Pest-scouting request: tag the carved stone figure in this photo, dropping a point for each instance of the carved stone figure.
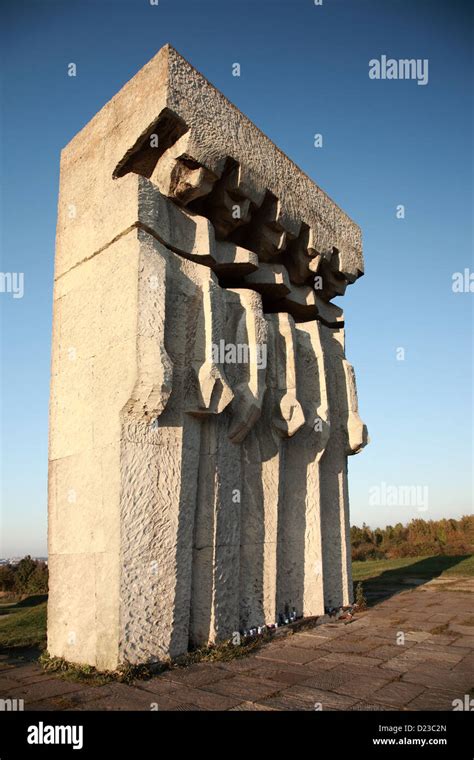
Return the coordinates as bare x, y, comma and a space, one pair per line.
202, 408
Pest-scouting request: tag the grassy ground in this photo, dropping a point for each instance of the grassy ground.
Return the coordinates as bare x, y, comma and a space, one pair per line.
23, 624
424, 568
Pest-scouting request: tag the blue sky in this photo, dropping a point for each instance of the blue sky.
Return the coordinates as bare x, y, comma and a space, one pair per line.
304, 70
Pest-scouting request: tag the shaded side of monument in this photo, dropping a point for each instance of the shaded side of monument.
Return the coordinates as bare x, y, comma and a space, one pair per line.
202, 408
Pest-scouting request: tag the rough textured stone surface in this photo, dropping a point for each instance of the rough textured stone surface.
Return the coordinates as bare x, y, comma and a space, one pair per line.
202, 408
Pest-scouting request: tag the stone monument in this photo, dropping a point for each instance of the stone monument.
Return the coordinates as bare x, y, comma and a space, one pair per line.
202, 409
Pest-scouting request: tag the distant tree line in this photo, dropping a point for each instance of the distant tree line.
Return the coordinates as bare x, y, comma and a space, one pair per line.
29, 576
418, 538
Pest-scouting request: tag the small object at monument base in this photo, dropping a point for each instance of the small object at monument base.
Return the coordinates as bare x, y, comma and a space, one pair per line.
323, 619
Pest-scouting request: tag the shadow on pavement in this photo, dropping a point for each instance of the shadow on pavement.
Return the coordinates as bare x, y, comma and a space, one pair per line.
391, 582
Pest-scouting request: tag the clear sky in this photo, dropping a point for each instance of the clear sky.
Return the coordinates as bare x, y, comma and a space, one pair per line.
304, 70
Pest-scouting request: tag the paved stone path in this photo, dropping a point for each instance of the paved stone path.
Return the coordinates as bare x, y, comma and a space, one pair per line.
334, 666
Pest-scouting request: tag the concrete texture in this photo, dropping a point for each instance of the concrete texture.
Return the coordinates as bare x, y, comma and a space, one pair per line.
202, 408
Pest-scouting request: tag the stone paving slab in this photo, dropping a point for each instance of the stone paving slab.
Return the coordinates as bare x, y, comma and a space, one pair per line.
49, 687
85, 699
436, 678
291, 654
247, 688
253, 707
200, 698
464, 641
308, 699
282, 673
197, 675
335, 666
397, 693
434, 699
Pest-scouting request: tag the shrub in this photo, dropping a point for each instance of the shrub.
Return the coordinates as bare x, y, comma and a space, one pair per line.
420, 537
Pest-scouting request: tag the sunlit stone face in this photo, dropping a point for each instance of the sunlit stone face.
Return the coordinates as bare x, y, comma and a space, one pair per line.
210, 408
